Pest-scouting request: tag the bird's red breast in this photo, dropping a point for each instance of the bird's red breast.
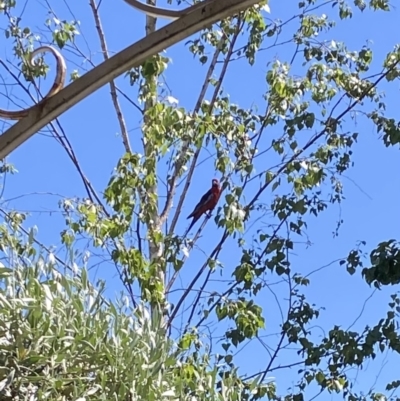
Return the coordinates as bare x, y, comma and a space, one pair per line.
208, 201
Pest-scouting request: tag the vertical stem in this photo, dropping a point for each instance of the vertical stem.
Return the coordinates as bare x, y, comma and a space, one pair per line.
154, 226
114, 96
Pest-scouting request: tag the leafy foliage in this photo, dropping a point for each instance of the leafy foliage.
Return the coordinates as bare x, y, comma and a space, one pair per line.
385, 261
281, 163
60, 339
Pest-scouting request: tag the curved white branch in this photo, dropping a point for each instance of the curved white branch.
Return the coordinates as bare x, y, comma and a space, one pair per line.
133, 56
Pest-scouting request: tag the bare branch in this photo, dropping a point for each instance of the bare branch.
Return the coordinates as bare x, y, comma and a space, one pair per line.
320, 134
213, 254
113, 89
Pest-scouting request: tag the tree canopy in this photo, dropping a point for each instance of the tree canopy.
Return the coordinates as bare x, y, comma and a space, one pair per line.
105, 293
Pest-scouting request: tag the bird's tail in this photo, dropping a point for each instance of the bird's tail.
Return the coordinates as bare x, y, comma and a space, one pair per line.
195, 218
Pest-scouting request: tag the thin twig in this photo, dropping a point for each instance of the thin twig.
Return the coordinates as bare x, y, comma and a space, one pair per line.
66, 144
213, 254
113, 90
63, 140
234, 285
320, 134
175, 275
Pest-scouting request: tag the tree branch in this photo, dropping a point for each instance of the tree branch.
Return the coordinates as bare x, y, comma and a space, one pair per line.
113, 89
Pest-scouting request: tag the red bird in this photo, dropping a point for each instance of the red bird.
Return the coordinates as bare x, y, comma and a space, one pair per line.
207, 203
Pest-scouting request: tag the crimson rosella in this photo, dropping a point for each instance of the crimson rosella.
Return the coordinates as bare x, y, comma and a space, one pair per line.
207, 203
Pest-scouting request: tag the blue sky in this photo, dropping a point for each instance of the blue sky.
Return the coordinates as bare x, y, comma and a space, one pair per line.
370, 211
